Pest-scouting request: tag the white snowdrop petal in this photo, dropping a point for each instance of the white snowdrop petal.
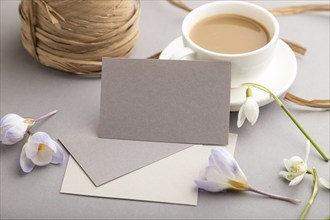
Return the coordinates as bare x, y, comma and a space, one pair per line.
286, 175
241, 116
295, 160
325, 183
308, 149
287, 164
296, 180
251, 110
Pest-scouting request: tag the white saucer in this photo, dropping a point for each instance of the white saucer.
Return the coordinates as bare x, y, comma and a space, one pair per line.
278, 77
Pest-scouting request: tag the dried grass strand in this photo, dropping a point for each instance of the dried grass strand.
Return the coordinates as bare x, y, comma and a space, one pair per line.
298, 9
322, 104
180, 4
295, 47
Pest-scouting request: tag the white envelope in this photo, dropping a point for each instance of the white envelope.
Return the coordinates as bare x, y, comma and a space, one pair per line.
170, 180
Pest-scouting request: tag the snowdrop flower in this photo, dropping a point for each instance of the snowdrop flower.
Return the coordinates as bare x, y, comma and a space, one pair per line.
325, 183
252, 114
222, 173
296, 167
249, 110
13, 128
40, 150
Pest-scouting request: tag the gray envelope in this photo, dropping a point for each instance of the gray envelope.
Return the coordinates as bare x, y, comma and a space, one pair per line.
165, 101
104, 160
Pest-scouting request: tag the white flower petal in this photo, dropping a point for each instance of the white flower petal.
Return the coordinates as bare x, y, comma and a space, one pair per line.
303, 168
288, 176
25, 163
251, 110
40, 137
226, 164
14, 134
287, 164
43, 157
297, 180
223, 161
58, 156
298, 167
325, 183
209, 186
308, 149
241, 116
222, 173
212, 175
240, 176
10, 119
6, 123
295, 160
52, 145
31, 149
44, 138
211, 161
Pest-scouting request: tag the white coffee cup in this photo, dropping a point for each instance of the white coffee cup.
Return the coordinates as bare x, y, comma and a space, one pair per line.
245, 67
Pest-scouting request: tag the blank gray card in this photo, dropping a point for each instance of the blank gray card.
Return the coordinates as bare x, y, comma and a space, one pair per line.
165, 101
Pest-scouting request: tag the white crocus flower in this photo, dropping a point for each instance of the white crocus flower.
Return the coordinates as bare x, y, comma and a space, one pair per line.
40, 150
13, 128
222, 173
296, 167
325, 183
249, 110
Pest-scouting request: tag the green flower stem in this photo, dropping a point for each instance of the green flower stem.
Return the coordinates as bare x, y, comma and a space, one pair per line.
316, 146
315, 190
309, 172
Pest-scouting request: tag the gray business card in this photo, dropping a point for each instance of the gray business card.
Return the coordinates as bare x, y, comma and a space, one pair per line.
165, 101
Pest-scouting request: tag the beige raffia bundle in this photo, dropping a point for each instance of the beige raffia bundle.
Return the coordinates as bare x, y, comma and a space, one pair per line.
74, 35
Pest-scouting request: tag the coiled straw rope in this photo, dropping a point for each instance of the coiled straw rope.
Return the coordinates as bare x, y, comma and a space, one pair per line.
74, 35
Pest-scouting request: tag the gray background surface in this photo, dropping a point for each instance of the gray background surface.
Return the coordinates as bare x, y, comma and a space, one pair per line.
30, 89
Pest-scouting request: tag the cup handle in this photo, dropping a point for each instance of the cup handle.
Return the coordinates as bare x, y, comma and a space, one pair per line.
184, 52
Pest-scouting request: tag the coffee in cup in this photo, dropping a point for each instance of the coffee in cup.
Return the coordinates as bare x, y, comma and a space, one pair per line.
229, 34
241, 33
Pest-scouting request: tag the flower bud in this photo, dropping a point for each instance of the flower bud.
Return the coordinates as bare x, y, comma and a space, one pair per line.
13, 128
